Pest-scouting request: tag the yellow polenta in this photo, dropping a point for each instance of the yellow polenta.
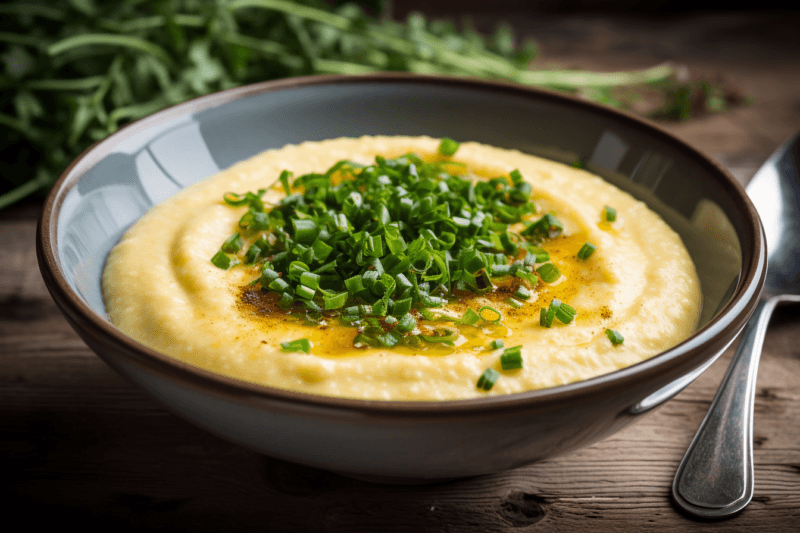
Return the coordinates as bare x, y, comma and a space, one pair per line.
162, 290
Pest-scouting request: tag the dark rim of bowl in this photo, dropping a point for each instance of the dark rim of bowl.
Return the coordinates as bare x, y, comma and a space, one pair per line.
733, 315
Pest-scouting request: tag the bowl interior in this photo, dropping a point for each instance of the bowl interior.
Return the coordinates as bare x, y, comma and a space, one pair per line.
123, 177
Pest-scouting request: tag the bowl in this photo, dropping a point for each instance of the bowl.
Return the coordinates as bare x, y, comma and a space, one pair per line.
117, 180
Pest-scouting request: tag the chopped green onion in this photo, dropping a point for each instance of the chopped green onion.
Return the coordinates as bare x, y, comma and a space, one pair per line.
496, 344
522, 293
609, 214
380, 240
448, 147
586, 251
488, 379
546, 317
614, 337
278, 285
516, 304
489, 314
563, 312
267, 277
548, 272
299, 345
223, 261
304, 292
232, 244
336, 301
470, 317
310, 280
511, 358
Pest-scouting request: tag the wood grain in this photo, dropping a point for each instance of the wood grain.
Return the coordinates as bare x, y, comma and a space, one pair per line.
85, 447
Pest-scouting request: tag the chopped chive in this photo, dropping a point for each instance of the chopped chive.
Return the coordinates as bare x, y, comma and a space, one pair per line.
267, 277
299, 345
609, 214
548, 272
304, 292
223, 261
496, 344
310, 280
614, 337
448, 147
546, 317
278, 285
586, 251
470, 317
489, 314
232, 244
380, 240
516, 304
488, 379
335, 301
511, 358
284, 179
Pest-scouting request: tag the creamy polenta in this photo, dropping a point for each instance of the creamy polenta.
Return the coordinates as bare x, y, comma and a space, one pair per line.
162, 289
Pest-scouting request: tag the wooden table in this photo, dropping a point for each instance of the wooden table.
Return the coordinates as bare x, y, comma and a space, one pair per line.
83, 446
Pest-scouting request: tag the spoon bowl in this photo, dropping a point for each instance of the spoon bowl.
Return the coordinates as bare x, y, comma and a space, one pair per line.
715, 478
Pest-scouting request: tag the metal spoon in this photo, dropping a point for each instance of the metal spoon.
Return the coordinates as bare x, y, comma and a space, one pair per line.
715, 478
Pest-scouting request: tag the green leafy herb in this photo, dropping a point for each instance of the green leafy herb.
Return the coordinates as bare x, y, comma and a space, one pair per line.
488, 379
511, 359
76, 71
448, 147
609, 214
548, 272
299, 345
586, 251
557, 310
614, 337
496, 344
422, 233
223, 261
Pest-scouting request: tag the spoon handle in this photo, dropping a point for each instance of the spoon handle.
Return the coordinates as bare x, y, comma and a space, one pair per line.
715, 478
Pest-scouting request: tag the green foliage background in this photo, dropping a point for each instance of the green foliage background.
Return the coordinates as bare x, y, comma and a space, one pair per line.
74, 71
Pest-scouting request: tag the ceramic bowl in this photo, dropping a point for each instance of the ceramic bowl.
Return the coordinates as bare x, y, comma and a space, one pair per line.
117, 180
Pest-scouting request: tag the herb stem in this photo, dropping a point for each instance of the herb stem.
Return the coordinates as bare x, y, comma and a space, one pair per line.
290, 8
108, 39
18, 193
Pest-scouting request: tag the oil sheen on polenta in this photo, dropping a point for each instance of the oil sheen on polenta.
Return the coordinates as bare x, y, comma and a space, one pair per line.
161, 289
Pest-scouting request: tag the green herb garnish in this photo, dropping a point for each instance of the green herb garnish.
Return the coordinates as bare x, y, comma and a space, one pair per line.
609, 214
448, 147
614, 337
488, 379
548, 272
388, 239
223, 260
511, 358
496, 344
586, 251
557, 310
299, 345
